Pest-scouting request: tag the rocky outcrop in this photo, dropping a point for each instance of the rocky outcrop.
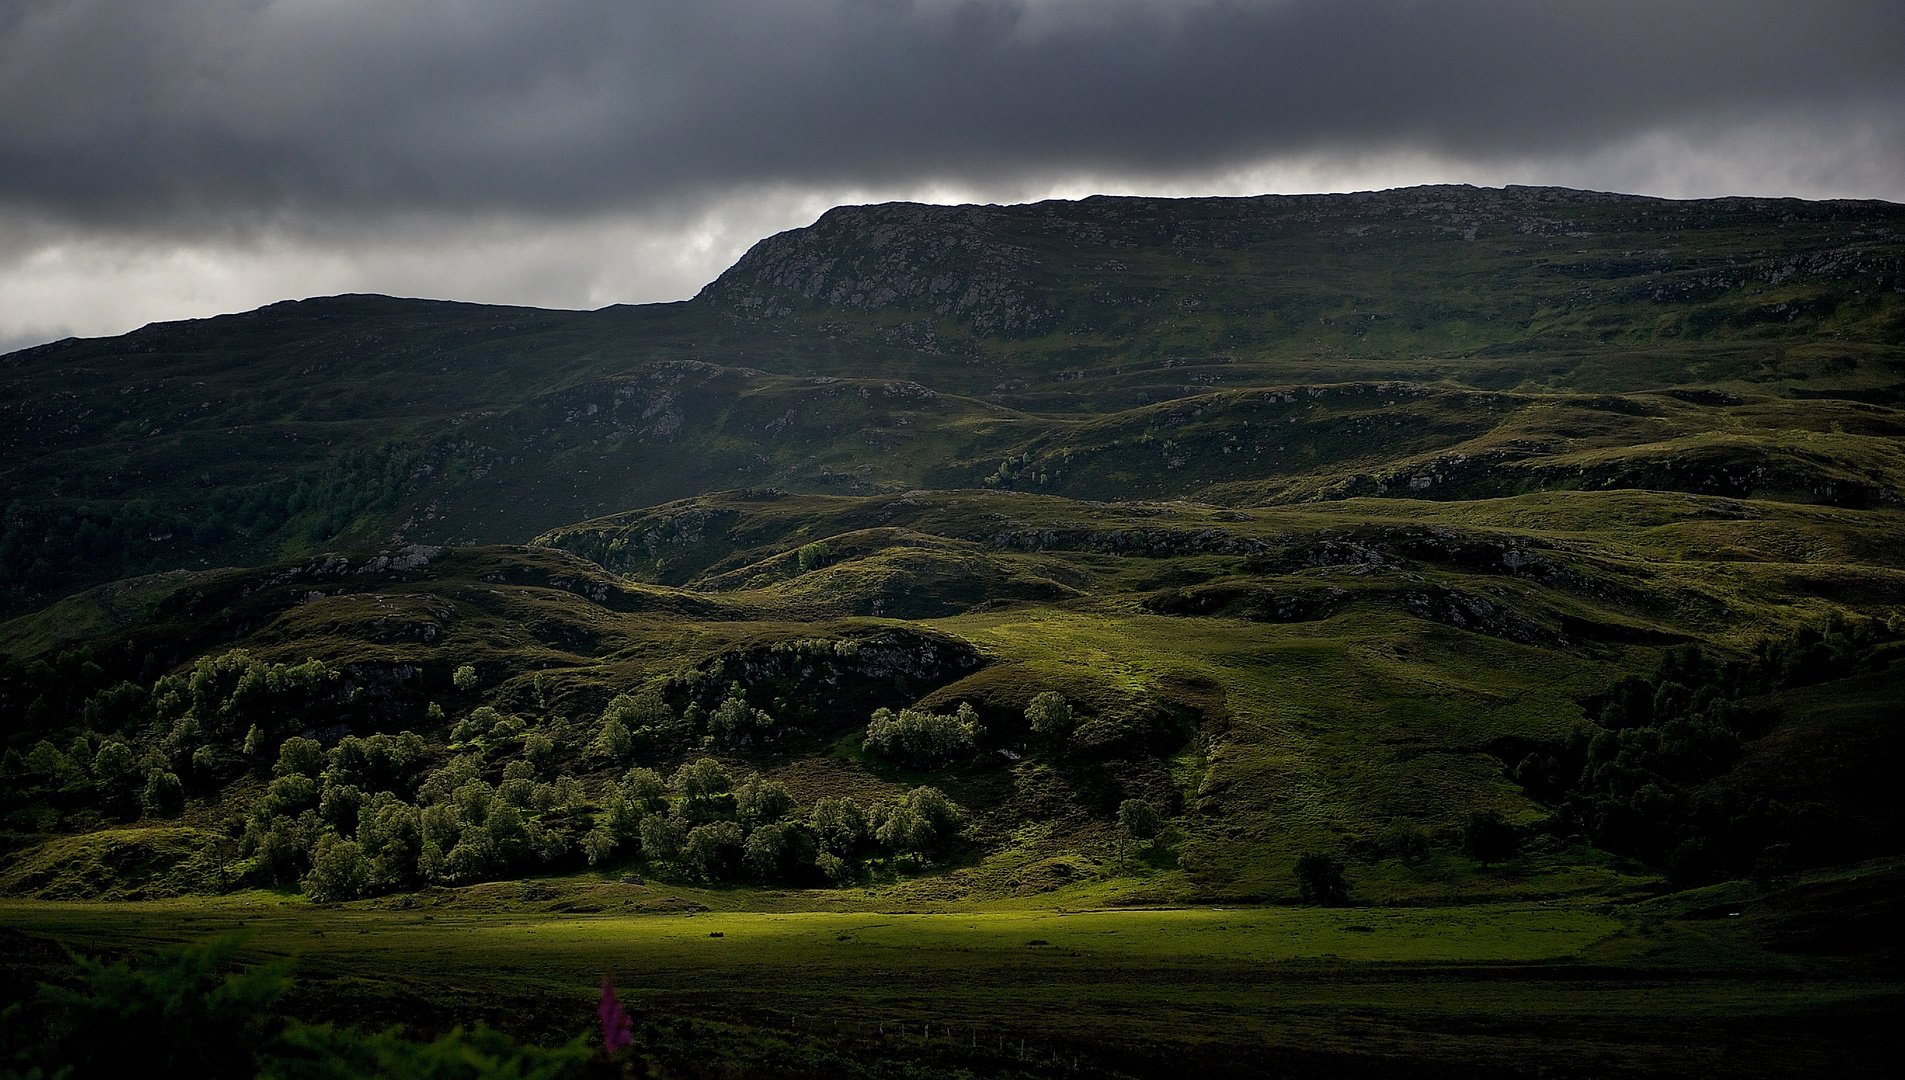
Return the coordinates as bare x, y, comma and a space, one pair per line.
950, 261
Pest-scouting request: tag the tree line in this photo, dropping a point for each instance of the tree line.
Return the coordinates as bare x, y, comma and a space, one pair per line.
1635, 781
385, 812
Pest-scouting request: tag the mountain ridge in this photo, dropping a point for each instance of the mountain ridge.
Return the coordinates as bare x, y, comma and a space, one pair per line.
361, 417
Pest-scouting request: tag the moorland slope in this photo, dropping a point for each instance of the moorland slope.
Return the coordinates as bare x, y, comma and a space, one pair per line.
1063, 346
1520, 544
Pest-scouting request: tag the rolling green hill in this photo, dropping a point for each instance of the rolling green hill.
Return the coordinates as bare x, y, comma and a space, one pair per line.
1278, 680
1521, 549
889, 348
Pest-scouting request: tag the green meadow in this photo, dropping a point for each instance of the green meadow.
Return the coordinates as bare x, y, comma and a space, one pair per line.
1515, 989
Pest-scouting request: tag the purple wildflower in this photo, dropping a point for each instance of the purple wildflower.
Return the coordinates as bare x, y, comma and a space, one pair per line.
618, 1031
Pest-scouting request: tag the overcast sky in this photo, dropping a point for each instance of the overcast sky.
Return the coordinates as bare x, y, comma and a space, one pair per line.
166, 159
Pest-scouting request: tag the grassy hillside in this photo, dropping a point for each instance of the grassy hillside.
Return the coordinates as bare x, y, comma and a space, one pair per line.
1358, 677
1386, 278
1527, 565
894, 347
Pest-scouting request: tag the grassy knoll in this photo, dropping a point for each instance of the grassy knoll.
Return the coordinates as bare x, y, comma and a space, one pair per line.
1484, 989
1324, 741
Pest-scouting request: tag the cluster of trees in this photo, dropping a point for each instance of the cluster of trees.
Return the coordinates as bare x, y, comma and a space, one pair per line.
813, 556
1049, 715
237, 696
485, 728
142, 749
37, 697
337, 822
734, 723
357, 818
356, 483
1627, 784
787, 687
1633, 783
1138, 821
367, 816
318, 800
103, 773
644, 726
924, 739
198, 729
1013, 470
719, 830
1319, 879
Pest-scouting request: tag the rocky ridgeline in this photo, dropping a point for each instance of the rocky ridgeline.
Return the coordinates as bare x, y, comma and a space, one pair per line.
1002, 270
949, 260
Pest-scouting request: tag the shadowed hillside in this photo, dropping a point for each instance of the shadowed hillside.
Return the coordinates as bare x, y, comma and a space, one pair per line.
1064, 347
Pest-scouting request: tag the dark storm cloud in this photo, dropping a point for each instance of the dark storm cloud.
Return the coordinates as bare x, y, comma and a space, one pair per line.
146, 111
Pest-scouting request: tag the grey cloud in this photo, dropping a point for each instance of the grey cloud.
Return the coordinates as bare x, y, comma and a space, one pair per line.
137, 113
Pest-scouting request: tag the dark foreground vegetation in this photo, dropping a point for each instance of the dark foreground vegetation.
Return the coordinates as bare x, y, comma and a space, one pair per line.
182, 1013
1658, 987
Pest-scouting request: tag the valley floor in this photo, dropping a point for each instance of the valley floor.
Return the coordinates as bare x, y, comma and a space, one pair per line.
743, 982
